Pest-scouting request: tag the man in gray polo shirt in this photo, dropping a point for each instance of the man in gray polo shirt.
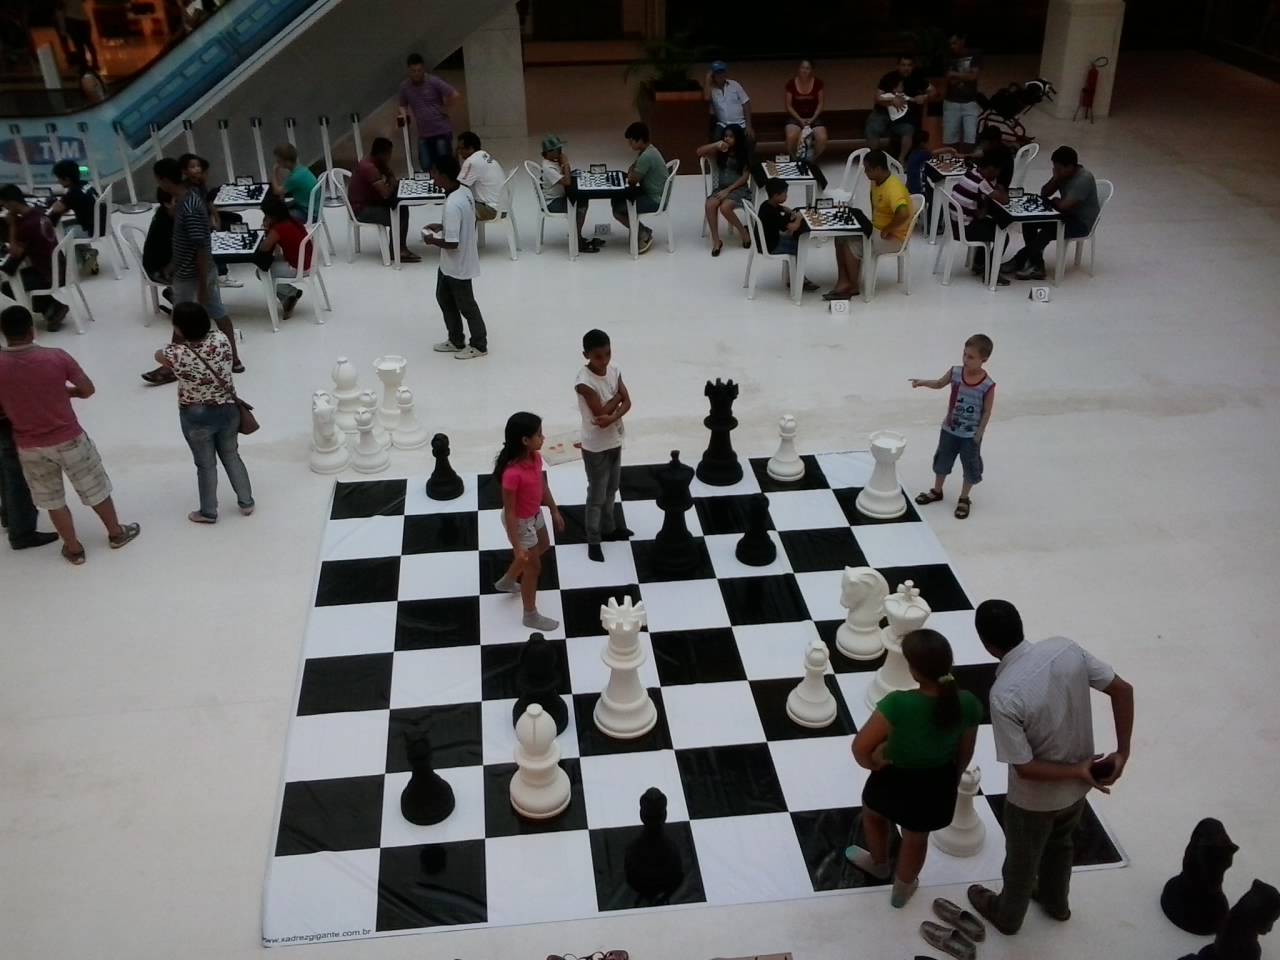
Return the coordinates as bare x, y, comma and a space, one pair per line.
1043, 726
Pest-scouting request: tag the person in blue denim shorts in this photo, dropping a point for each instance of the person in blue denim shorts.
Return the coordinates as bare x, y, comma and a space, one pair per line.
973, 397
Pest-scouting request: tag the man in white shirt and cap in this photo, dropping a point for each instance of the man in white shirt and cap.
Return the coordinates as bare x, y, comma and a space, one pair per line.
730, 104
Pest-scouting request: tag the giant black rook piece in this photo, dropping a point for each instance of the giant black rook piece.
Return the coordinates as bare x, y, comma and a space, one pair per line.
427, 798
1253, 916
756, 548
444, 482
719, 465
1194, 899
675, 552
537, 680
651, 863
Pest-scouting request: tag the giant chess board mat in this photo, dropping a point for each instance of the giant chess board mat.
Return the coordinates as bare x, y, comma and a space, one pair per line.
406, 628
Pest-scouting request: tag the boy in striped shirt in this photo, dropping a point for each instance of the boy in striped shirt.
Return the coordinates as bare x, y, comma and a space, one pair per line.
974, 193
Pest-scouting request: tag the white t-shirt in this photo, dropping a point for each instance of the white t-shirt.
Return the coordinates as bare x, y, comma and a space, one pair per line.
598, 439
552, 188
727, 103
462, 263
484, 176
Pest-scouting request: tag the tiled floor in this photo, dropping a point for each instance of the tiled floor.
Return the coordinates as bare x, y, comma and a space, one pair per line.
145, 695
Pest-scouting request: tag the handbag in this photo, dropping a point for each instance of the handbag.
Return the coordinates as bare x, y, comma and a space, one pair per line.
248, 422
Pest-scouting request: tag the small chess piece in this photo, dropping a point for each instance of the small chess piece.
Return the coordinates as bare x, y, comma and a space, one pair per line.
444, 482
625, 710
811, 704
408, 433
369, 456
390, 370
786, 466
906, 611
862, 593
756, 548
1194, 899
329, 453
346, 390
370, 399
882, 498
540, 788
966, 833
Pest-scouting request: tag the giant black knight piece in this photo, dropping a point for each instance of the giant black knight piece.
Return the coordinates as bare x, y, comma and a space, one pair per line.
719, 466
1194, 899
674, 552
1252, 917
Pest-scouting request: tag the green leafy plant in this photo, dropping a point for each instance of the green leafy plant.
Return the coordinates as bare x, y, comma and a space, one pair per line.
928, 41
667, 65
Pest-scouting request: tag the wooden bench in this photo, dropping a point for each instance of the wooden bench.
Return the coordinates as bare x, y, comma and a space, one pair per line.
845, 130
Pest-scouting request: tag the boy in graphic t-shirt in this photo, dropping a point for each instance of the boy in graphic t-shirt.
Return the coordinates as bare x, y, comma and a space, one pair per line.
603, 400
973, 397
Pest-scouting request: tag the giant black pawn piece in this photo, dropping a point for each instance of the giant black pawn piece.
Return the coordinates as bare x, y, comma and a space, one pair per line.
444, 482
719, 466
756, 548
651, 864
427, 798
675, 552
537, 680
1252, 917
1194, 899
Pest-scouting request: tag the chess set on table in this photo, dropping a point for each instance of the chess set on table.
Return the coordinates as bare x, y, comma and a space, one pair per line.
601, 180
240, 194
235, 245
409, 640
1028, 204
831, 218
788, 170
419, 188
949, 166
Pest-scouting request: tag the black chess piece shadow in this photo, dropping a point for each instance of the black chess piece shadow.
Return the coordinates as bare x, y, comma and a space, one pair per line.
651, 863
1194, 899
428, 797
1252, 917
537, 680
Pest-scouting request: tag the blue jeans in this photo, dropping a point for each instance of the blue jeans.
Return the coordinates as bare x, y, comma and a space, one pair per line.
1037, 236
211, 431
16, 509
185, 291
960, 122
431, 149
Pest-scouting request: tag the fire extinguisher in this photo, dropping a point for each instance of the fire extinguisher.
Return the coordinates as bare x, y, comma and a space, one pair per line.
1090, 88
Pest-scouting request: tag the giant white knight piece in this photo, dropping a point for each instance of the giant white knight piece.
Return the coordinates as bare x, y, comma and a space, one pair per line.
625, 710
409, 433
905, 611
966, 833
810, 703
882, 498
329, 453
862, 593
368, 456
786, 465
390, 370
540, 788
370, 399
346, 391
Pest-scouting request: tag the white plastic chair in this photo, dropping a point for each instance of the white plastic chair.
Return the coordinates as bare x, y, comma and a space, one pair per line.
134, 238
65, 277
758, 249
662, 213
310, 277
535, 174
708, 184
506, 216
341, 178
102, 229
1106, 190
1022, 163
904, 263
853, 170
315, 214
896, 168
956, 237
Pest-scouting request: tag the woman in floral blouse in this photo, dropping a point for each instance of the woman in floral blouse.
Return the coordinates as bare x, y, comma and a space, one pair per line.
207, 408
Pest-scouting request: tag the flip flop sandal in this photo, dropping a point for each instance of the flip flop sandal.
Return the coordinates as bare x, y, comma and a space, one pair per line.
929, 496
75, 558
962, 508
949, 941
715, 251
837, 295
964, 921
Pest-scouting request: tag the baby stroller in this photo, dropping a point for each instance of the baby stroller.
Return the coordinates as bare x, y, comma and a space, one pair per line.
1003, 108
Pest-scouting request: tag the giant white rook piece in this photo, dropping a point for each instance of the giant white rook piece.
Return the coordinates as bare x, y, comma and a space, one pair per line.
390, 370
540, 788
369, 457
966, 833
786, 465
882, 498
905, 612
409, 433
625, 710
329, 453
811, 704
862, 593
370, 399
346, 390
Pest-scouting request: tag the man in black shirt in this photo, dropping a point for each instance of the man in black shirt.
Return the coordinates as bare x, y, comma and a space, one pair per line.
896, 113
80, 200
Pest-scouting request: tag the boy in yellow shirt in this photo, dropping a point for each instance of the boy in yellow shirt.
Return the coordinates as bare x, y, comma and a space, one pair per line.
890, 214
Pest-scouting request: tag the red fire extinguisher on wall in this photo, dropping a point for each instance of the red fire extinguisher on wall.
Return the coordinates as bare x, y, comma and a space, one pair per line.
1090, 88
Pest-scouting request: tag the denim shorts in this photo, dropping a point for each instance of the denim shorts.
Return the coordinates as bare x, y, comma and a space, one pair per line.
879, 126
185, 291
966, 448
788, 245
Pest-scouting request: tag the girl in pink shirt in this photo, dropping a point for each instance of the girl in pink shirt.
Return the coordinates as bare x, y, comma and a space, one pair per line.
518, 467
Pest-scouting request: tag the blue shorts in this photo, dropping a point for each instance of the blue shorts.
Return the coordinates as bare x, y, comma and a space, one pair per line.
788, 245
187, 291
644, 204
966, 448
561, 205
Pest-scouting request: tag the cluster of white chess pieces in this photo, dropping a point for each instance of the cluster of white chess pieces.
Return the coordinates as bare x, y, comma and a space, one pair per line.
540, 788
350, 428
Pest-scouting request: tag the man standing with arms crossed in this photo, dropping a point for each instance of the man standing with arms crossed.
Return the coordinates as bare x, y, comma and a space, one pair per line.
960, 108
427, 100
459, 264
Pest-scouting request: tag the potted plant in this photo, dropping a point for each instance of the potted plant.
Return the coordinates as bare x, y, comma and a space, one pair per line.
670, 100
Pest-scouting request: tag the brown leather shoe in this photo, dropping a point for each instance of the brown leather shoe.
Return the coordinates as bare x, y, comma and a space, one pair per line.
984, 902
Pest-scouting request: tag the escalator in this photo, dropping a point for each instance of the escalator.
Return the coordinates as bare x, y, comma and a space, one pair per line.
268, 59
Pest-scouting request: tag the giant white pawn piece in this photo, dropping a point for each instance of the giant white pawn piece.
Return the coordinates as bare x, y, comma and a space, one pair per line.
862, 593
346, 390
811, 704
370, 399
369, 457
905, 611
390, 370
966, 833
882, 498
329, 453
409, 433
540, 788
786, 465
625, 710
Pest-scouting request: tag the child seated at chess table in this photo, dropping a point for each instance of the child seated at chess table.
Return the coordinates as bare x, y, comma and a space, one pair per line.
780, 224
557, 183
283, 240
295, 183
730, 162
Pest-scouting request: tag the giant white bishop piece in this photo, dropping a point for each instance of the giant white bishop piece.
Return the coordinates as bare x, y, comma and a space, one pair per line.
540, 788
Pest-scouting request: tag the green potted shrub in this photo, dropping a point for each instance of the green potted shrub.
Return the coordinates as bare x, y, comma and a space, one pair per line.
670, 100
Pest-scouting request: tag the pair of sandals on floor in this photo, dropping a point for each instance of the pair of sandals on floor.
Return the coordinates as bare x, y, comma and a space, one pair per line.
719, 245
963, 505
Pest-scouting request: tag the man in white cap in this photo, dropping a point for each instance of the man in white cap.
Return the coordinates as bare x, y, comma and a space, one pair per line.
729, 101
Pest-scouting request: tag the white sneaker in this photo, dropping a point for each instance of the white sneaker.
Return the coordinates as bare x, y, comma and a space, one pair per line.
229, 281
469, 353
446, 346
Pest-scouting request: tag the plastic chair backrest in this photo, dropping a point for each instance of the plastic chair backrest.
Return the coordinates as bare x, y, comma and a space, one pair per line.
673, 167
340, 179
1109, 189
508, 193
853, 168
315, 202
127, 233
704, 165
101, 213
917, 206
62, 263
896, 169
308, 246
1022, 162
534, 170
956, 215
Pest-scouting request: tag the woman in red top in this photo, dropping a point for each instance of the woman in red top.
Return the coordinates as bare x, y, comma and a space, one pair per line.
285, 233
518, 467
804, 103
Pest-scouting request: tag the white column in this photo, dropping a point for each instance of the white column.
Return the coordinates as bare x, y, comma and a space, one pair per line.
495, 78
1077, 32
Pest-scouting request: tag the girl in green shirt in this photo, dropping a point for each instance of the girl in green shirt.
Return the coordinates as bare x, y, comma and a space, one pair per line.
916, 745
